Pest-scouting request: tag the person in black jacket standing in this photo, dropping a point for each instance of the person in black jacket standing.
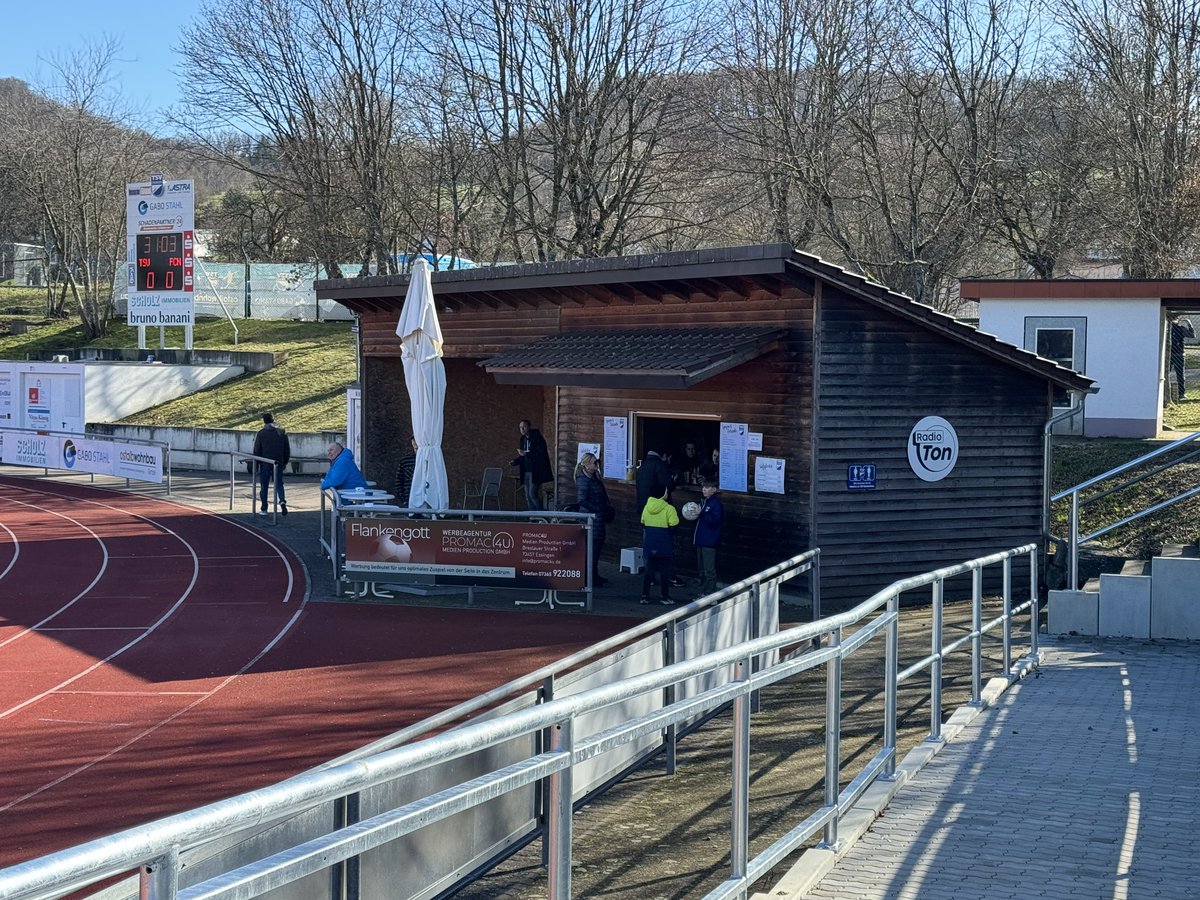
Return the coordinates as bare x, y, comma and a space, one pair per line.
653, 480
533, 461
272, 443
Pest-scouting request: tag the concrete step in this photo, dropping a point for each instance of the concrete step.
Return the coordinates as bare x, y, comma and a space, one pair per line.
1180, 551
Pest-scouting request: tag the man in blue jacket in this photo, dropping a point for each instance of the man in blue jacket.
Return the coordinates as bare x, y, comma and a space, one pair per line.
343, 472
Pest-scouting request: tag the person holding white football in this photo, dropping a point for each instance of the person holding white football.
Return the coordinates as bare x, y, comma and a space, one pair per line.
709, 522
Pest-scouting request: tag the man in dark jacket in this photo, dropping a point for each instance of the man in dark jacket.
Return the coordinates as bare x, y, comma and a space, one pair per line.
653, 479
272, 443
533, 460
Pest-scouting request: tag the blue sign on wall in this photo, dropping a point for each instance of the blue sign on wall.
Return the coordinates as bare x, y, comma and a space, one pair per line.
860, 477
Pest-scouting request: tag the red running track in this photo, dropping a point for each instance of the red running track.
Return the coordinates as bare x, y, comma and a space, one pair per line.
154, 657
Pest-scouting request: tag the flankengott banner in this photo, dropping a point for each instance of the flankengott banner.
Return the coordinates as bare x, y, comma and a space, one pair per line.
502, 554
80, 454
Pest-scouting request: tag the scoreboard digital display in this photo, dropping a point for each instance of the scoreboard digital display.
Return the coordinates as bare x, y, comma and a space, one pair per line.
160, 262
161, 222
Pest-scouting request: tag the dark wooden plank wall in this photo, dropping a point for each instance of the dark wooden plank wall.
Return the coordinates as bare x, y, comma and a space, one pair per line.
473, 334
878, 375
770, 394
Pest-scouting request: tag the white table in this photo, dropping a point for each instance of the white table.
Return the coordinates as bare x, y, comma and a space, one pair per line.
361, 495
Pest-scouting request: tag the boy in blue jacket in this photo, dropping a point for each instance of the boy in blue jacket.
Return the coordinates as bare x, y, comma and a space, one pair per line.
708, 535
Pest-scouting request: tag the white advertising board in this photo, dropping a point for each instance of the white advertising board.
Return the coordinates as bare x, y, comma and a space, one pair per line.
80, 454
160, 220
42, 396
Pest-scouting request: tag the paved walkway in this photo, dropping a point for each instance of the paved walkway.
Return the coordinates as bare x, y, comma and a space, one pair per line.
1081, 782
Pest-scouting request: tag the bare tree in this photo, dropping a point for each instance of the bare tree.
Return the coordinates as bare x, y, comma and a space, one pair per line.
1044, 203
1142, 60
571, 100
926, 130
790, 81
74, 157
322, 81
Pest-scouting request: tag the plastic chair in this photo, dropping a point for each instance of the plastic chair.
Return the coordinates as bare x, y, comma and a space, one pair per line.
488, 487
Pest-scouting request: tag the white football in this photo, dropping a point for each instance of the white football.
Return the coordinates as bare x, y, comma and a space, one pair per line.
691, 510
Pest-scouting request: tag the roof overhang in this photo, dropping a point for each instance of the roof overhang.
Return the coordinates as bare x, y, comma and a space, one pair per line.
671, 359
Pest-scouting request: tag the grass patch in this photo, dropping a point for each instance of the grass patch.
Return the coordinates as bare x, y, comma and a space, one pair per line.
306, 390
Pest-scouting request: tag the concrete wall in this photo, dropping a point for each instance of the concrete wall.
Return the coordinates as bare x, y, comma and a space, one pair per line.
115, 390
251, 361
1124, 355
208, 449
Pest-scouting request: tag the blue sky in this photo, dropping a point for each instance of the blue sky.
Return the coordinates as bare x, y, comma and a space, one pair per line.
146, 31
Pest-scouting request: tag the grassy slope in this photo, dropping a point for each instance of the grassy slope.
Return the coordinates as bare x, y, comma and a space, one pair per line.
306, 389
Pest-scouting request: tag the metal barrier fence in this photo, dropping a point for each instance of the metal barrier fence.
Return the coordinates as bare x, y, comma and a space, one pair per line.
334, 512
376, 814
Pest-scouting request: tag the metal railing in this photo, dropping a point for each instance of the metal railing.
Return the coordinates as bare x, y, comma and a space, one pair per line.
1075, 539
551, 767
255, 462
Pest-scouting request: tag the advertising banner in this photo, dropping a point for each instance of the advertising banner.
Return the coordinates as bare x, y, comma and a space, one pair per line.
80, 454
499, 554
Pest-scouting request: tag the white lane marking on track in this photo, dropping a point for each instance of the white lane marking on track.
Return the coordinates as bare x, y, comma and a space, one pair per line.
167, 721
201, 698
86, 722
16, 543
103, 565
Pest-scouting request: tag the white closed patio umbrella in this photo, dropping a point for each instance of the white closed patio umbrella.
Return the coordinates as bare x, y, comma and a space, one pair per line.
421, 351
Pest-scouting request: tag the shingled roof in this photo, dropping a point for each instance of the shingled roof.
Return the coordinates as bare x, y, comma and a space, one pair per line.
664, 357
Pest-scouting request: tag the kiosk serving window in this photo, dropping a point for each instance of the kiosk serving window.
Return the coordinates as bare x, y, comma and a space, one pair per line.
672, 433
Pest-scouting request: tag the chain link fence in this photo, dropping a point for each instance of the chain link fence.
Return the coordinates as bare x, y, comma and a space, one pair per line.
275, 291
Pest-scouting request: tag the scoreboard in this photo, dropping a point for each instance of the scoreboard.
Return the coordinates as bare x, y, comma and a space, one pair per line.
160, 219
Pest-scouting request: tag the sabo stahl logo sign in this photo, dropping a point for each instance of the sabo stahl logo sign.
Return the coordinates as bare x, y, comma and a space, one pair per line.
932, 448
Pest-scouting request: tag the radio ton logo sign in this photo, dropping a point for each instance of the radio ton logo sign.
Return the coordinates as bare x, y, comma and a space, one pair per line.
932, 448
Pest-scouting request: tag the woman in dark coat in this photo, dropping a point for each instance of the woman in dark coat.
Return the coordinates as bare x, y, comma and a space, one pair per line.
592, 497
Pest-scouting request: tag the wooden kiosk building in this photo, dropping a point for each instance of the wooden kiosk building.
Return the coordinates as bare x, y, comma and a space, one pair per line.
831, 370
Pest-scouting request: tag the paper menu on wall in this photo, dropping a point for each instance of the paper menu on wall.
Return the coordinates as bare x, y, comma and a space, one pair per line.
593, 449
768, 474
616, 439
734, 441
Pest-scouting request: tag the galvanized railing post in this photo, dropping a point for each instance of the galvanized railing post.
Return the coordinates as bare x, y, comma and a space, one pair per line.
976, 636
1007, 613
833, 730
891, 670
159, 880
755, 624
1035, 614
1073, 554
558, 819
739, 849
671, 735
935, 668
814, 586
544, 741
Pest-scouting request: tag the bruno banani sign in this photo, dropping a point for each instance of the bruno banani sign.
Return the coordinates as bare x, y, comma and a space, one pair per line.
503, 554
932, 448
79, 454
160, 223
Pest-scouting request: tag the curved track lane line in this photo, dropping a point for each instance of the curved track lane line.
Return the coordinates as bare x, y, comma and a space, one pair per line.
100, 574
223, 683
16, 545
